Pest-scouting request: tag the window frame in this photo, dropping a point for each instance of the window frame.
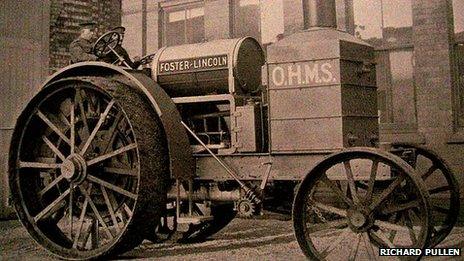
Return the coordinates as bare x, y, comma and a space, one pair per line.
174, 6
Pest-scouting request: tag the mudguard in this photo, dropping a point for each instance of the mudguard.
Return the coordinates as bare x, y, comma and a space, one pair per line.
182, 164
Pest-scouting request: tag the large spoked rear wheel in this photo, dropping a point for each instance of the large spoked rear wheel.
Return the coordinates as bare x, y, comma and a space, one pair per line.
358, 200
442, 187
88, 165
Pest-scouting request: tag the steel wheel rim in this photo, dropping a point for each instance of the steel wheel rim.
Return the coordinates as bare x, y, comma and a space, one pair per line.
434, 165
355, 225
81, 171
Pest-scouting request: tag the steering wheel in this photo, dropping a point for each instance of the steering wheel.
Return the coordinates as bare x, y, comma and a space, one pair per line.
105, 43
146, 59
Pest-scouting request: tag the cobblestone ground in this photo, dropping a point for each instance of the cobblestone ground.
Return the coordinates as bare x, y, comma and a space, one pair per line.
243, 239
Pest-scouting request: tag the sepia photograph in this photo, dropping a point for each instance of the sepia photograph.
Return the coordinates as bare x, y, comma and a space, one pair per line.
232, 130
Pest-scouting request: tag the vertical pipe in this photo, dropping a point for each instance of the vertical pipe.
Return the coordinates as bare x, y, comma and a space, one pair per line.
321, 13
144, 27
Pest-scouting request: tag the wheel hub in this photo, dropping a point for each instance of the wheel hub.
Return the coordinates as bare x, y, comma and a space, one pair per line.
74, 168
359, 220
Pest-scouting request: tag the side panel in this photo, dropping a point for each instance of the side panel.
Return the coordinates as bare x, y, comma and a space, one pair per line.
253, 167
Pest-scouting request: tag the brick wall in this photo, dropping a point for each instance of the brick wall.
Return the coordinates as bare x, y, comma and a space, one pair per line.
65, 17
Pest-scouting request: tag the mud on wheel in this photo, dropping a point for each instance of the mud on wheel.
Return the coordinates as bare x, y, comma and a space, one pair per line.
358, 200
87, 168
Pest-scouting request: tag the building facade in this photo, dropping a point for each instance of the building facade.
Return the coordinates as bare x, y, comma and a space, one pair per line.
65, 17
419, 48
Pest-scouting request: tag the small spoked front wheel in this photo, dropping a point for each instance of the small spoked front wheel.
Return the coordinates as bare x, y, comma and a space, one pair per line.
357, 201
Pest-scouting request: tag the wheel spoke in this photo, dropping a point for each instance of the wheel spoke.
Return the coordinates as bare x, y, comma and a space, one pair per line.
51, 206
400, 207
112, 131
97, 127
440, 209
368, 245
38, 165
53, 127
354, 254
110, 208
73, 129
439, 189
330, 209
78, 100
409, 224
97, 214
128, 210
54, 149
352, 186
51, 185
326, 252
71, 211
377, 201
429, 172
370, 186
112, 187
380, 235
337, 191
81, 219
111, 154
391, 226
341, 223
128, 172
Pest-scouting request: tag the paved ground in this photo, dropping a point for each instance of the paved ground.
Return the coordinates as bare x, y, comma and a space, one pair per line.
269, 239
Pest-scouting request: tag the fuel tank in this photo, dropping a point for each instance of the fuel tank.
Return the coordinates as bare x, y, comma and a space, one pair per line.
226, 66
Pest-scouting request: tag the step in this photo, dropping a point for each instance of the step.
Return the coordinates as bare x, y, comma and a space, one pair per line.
193, 219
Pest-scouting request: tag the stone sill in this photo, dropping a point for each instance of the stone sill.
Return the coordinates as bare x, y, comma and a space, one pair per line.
456, 138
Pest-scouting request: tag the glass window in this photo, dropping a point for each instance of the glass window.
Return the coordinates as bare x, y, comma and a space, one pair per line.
132, 20
247, 18
184, 25
384, 23
387, 25
402, 87
272, 21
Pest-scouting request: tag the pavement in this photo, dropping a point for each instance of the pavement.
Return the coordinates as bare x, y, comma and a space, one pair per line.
242, 239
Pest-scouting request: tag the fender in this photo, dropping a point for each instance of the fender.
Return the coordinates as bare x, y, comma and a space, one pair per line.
182, 164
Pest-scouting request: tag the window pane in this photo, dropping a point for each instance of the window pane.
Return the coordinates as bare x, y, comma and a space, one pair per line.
247, 18
272, 20
185, 25
175, 28
384, 23
402, 87
132, 20
195, 25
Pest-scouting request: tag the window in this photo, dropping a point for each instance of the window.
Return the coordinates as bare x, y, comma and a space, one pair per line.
272, 21
458, 18
247, 18
184, 24
387, 25
132, 20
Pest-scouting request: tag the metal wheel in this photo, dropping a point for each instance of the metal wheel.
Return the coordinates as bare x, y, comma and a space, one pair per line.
385, 205
87, 168
442, 187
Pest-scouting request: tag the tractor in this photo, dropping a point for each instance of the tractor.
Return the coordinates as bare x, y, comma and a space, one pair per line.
104, 156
